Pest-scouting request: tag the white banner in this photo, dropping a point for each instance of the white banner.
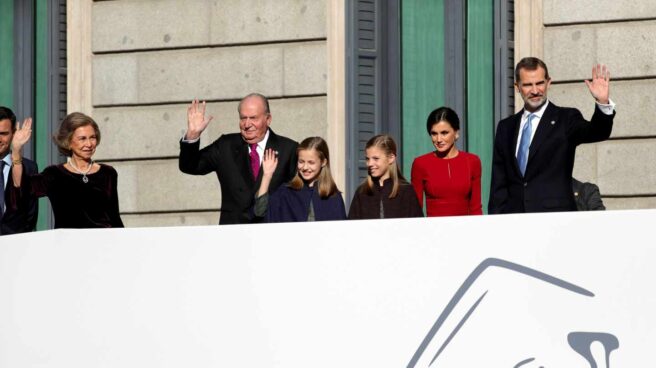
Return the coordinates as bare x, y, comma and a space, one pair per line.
543, 290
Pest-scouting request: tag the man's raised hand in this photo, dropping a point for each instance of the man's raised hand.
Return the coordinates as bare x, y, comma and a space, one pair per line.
599, 84
196, 120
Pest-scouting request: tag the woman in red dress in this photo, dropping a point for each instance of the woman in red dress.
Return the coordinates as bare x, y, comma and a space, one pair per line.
449, 178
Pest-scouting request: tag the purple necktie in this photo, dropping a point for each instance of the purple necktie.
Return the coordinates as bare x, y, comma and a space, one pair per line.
255, 161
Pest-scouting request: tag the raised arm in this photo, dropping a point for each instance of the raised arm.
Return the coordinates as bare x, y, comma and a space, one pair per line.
21, 136
269, 165
599, 84
602, 118
475, 206
196, 120
192, 160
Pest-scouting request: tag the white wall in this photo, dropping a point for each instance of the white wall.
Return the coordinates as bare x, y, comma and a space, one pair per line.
335, 294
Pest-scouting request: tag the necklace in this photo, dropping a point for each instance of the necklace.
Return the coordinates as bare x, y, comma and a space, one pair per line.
84, 174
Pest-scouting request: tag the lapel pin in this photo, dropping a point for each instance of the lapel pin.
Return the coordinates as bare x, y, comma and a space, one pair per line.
553, 122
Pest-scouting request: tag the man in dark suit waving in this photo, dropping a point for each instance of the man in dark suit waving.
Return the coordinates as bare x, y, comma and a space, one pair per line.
534, 149
236, 158
23, 218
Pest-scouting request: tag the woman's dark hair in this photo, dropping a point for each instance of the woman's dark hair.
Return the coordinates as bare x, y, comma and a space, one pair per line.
71, 122
442, 114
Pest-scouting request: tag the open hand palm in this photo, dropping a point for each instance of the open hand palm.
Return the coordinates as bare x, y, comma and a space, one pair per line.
22, 134
270, 162
599, 85
196, 120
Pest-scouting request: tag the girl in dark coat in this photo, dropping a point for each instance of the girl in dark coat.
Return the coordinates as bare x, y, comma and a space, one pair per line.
311, 195
385, 193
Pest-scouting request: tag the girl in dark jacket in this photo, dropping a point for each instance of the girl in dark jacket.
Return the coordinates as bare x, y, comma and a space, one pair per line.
311, 195
385, 193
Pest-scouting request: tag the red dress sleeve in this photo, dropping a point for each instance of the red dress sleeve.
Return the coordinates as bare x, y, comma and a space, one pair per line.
475, 207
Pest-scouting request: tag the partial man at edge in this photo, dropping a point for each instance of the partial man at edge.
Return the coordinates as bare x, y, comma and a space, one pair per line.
24, 218
587, 196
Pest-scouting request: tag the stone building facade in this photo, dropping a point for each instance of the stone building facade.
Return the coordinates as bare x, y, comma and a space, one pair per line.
135, 66
147, 60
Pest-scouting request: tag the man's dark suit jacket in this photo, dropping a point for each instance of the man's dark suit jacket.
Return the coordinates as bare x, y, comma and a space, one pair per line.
228, 157
23, 219
547, 183
587, 196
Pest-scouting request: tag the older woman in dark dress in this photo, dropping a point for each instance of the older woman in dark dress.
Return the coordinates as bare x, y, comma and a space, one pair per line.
82, 192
